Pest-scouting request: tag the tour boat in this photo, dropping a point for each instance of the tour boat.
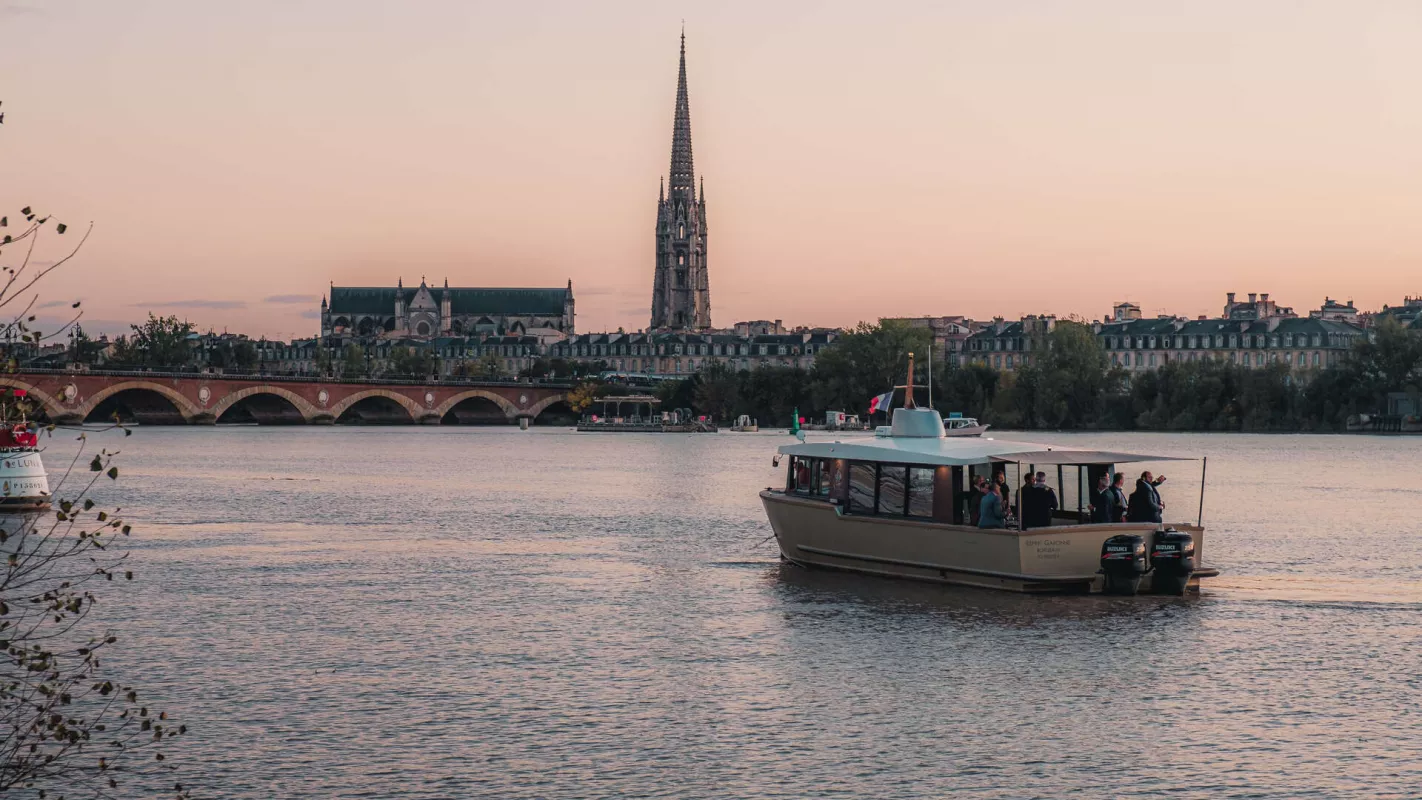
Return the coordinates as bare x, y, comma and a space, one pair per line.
23, 483
897, 506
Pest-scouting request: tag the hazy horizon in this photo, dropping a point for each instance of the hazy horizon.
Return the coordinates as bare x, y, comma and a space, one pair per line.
949, 158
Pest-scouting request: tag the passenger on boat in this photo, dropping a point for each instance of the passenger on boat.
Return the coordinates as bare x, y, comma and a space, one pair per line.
1022, 493
1100, 505
1038, 502
1003, 490
975, 499
1116, 499
1145, 503
990, 515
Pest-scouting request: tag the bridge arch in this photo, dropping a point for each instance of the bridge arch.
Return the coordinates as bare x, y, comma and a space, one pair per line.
49, 403
542, 405
303, 407
415, 410
185, 407
499, 400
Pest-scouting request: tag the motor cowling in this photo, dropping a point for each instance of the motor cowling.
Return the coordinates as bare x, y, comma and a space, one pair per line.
1123, 562
1172, 560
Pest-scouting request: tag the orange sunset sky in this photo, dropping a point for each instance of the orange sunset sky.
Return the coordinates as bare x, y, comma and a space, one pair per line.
860, 159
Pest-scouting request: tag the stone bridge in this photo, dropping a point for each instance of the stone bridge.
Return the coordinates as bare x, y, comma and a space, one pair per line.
68, 397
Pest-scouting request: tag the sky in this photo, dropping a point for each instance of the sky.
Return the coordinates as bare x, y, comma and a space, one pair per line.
860, 160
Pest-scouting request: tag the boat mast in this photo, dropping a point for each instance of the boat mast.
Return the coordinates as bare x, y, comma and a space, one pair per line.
930, 369
908, 387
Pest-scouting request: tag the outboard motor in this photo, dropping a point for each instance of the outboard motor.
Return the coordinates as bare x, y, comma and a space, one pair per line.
1172, 560
1123, 562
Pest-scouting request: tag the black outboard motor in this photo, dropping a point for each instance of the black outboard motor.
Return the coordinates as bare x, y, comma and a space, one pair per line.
1172, 560
1123, 562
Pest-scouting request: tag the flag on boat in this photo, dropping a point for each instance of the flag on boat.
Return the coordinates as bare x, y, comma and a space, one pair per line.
881, 403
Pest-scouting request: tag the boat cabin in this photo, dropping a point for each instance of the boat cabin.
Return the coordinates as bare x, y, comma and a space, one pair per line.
929, 477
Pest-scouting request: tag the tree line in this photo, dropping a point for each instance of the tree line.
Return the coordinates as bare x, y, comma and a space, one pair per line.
1070, 384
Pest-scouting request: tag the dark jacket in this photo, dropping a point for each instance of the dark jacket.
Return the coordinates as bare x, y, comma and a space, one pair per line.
975, 502
1116, 503
1101, 505
1038, 503
1145, 503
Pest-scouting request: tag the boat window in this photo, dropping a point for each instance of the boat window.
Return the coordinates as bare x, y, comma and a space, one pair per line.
801, 474
891, 489
823, 478
861, 488
920, 492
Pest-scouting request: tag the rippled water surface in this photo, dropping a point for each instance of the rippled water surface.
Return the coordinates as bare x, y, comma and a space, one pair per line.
461, 612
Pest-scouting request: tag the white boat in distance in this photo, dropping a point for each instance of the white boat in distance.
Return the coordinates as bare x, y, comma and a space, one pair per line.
957, 425
897, 506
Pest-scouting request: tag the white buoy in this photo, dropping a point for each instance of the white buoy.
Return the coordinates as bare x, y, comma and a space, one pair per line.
523, 423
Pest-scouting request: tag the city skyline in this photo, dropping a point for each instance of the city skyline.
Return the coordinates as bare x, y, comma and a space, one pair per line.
948, 160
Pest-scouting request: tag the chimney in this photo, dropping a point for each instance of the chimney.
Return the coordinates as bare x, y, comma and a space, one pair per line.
1229, 297
1251, 297
1264, 297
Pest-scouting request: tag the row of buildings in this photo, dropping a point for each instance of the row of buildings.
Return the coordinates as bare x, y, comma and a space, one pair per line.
1252, 332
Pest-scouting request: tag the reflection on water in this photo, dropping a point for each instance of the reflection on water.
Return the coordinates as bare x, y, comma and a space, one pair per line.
436, 612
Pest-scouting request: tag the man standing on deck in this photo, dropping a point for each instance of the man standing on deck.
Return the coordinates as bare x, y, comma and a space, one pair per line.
1038, 502
1116, 499
1100, 504
1145, 503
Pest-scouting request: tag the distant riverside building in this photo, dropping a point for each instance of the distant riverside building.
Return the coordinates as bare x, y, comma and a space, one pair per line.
1007, 345
1336, 311
1260, 308
672, 354
1300, 343
426, 313
681, 291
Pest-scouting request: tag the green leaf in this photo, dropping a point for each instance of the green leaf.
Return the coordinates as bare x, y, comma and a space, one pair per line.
7, 239
113, 473
4, 222
61, 228
97, 465
26, 211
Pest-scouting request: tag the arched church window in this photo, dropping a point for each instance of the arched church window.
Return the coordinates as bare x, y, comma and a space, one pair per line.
681, 231
423, 329
680, 258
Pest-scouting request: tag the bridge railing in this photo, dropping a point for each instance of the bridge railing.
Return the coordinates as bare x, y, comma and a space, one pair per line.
265, 377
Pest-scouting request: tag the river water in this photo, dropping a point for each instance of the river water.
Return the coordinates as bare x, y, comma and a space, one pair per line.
483, 612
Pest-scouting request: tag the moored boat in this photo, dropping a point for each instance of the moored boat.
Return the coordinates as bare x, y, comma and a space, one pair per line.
898, 506
24, 485
745, 424
959, 425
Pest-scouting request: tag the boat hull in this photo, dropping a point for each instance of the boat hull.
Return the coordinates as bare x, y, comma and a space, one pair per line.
974, 430
24, 485
1063, 558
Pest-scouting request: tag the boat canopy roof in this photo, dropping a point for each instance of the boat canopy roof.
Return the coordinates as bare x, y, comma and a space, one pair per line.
962, 451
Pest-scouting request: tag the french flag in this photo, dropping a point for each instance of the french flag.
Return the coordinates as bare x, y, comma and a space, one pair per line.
881, 403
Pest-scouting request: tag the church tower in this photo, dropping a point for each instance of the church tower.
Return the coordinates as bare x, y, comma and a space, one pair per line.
681, 294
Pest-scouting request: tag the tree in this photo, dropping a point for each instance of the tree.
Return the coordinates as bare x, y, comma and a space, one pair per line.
66, 724
868, 361
582, 396
1066, 382
717, 391
411, 361
353, 362
488, 367
161, 342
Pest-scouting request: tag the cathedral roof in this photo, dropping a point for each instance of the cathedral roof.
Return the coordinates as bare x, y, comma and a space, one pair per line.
463, 301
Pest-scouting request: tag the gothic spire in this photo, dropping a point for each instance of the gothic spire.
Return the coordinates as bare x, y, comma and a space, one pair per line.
682, 174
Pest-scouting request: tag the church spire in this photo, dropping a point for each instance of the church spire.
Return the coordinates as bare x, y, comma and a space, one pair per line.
682, 174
